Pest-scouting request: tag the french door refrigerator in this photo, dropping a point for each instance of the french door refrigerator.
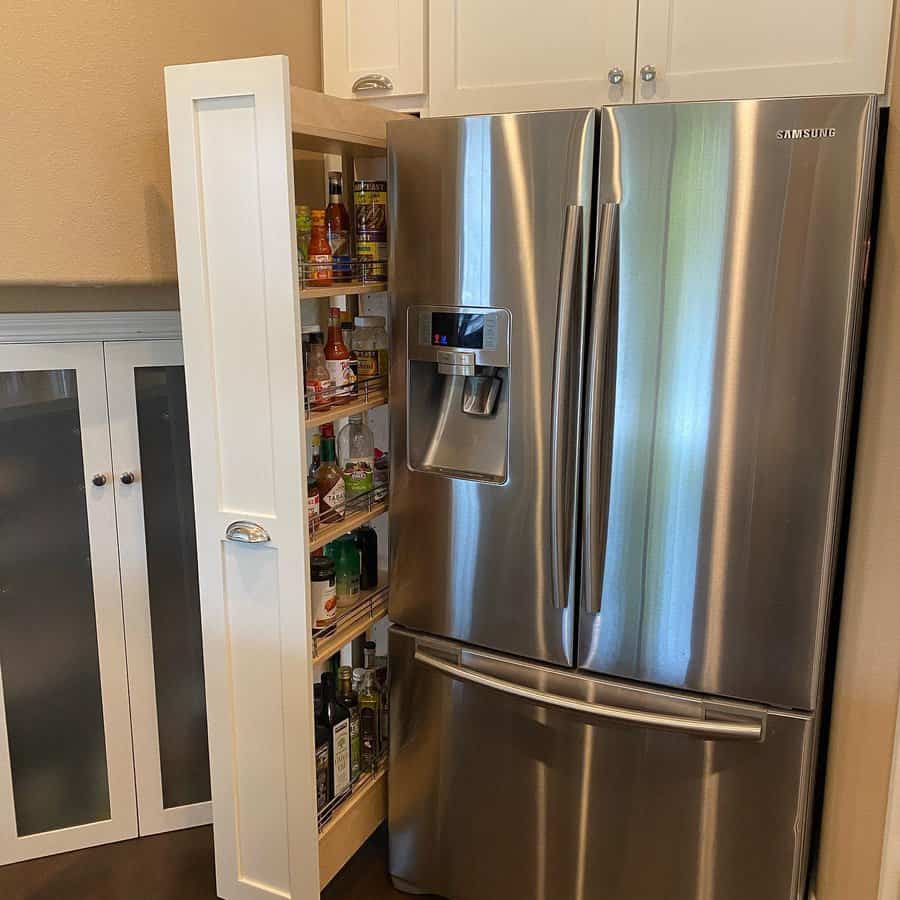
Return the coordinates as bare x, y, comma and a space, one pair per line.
623, 350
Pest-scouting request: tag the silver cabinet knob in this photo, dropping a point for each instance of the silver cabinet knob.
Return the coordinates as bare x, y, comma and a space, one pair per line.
98, 480
648, 73
615, 75
127, 478
247, 533
372, 82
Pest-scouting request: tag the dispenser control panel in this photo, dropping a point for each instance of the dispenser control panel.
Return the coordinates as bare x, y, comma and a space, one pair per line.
482, 333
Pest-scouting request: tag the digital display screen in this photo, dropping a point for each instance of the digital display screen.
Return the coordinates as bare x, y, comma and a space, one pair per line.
457, 330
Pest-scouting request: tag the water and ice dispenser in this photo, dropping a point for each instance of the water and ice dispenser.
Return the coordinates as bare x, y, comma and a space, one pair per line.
458, 391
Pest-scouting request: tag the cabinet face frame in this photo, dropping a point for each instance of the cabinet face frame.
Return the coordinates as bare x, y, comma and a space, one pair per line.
86, 359
449, 96
122, 359
406, 72
862, 70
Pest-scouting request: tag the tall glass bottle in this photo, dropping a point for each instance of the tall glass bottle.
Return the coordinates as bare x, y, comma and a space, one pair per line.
337, 221
371, 663
323, 752
335, 718
329, 478
369, 721
356, 454
337, 358
347, 696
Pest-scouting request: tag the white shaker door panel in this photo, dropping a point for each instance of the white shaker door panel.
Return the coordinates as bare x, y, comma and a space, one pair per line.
504, 56
160, 591
713, 50
231, 153
373, 50
66, 773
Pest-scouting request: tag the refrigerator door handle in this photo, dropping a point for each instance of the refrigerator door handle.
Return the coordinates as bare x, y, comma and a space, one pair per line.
560, 494
707, 729
599, 419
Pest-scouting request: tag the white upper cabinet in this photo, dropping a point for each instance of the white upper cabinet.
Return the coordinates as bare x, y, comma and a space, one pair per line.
505, 56
715, 49
373, 50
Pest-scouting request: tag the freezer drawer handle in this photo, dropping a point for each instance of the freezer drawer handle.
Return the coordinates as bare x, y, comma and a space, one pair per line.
710, 729
561, 503
247, 533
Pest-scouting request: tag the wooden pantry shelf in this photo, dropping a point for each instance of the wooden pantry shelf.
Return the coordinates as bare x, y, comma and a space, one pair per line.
328, 124
351, 824
327, 533
351, 623
372, 400
346, 287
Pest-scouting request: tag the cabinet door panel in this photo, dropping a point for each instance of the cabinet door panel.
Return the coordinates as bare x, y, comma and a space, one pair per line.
66, 775
705, 50
160, 589
361, 38
498, 57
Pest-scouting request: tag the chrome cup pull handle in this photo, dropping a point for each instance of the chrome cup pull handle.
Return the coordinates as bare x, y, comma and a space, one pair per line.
247, 533
373, 82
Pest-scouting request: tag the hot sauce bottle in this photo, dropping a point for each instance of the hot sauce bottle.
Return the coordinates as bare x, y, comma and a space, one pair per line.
330, 479
319, 251
338, 358
337, 224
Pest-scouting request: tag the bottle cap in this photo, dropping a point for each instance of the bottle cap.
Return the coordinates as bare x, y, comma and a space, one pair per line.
317, 216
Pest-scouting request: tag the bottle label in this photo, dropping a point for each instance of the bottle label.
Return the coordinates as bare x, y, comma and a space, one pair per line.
340, 742
334, 499
324, 602
319, 267
321, 776
312, 511
340, 252
358, 476
368, 363
354, 745
340, 372
317, 392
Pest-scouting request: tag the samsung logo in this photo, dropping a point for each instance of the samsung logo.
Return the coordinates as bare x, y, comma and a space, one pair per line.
799, 134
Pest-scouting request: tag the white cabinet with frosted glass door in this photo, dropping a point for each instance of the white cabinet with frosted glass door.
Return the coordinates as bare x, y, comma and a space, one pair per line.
708, 50
502, 57
66, 777
160, 591
373, 51
102, 715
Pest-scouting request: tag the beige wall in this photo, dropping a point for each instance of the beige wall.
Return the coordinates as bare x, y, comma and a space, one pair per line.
84, 174
868, 671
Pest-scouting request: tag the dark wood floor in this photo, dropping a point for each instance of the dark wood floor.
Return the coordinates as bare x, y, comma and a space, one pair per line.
174, 866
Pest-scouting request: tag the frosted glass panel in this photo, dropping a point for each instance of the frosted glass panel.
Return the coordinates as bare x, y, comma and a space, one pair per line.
48, 640
174, 592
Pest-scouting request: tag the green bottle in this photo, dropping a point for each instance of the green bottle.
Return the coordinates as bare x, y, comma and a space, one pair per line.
347, 696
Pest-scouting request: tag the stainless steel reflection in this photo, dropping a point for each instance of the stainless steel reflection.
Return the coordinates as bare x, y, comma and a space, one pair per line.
478, 209
247, 533
738, 296
570, 806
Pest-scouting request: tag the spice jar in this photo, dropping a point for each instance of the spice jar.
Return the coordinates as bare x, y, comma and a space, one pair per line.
370, 345
323, 583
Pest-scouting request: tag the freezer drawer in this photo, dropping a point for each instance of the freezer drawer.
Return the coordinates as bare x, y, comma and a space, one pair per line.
600, 790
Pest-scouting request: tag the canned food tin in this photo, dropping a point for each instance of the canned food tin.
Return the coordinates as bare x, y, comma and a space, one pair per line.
370, 201
373, 254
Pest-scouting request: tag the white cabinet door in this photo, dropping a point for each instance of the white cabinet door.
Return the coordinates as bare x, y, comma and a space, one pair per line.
505, 56
230, 145
160, 590
66, 773
714, 50
373, 50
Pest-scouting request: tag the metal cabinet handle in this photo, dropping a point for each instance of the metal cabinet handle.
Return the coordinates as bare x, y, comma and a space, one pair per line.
247, 533
560, 551
648, 73
373, 82
616, 75
599, 409
127, 478
98, 480
710, 729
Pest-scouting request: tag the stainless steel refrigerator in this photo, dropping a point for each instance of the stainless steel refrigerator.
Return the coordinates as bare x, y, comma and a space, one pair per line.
623, 352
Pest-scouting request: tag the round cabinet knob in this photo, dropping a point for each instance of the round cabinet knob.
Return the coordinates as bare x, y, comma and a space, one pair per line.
98, 480
616, 75
648, 73
127, 478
